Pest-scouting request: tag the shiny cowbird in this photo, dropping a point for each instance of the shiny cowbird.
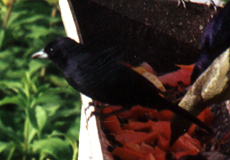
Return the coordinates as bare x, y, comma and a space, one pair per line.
103, 78
210, 76
214, 40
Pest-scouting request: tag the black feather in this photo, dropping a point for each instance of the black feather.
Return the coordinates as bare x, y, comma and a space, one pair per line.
103, 78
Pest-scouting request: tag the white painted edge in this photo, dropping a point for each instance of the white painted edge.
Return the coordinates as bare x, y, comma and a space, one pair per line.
68, 20
218, 3
89, 142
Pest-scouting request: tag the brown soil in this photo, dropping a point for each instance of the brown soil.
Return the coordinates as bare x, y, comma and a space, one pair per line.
154, 31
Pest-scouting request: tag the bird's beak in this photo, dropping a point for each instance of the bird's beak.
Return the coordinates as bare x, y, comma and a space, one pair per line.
40, 54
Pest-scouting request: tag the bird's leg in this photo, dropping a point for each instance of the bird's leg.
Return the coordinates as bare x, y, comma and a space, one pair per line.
213, 4
94, 113
104, 116
123, 109
183, 3
91, 104
96, 105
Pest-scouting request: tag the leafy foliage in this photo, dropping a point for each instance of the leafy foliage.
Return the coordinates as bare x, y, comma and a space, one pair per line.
39, 111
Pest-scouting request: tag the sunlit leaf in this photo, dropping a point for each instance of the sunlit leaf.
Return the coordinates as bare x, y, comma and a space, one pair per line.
38, 117
35, 65
31, 133
33, 104
55, 147
3, 146
58, 81
12, 100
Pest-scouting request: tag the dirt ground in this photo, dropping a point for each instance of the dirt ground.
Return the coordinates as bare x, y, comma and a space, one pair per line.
184, 25
154, 31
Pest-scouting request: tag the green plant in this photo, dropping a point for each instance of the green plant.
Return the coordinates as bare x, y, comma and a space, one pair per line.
39, 111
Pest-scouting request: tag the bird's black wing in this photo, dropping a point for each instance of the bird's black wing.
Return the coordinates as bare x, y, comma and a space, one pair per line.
104, 78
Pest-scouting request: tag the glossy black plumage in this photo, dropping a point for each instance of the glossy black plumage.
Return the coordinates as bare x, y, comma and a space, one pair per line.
103, 78
214, 40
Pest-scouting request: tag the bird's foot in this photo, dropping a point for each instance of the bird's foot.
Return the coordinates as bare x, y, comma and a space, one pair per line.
94, 113
104, 116
184, 5
98, 110
94, 104
181, 2
211, 2
91, 104
115, 112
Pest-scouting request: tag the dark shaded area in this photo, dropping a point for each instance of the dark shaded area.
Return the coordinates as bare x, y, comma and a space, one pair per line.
196, 157
153, 31
214, 40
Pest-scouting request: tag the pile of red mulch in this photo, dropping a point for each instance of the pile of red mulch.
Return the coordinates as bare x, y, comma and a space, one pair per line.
144, 133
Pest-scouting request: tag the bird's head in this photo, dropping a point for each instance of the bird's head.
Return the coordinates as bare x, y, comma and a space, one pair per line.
57, 50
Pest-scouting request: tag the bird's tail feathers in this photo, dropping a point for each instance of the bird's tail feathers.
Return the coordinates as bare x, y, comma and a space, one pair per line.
187, 115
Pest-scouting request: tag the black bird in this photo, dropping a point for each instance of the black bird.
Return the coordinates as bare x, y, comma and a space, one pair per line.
105, 79
184, 5
211, 87
210, 78
214, 40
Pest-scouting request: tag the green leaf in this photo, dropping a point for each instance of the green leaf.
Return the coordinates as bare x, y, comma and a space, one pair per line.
9, 147
14, 85
51, 109
33, 118
5, 54
75, 128
3, 146
13, 74
27, 20
40, 31
12, 100
2, 35
61, 82
9, 134
15, 16
35, 65
67, 90
32, 133
27, 93
71, 139
3, 65
66, 113
38, 117
19, 63
55, 147
52, 1
49, 98
9, 53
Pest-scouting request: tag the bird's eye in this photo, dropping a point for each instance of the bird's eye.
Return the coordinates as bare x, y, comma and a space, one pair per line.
51, 51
